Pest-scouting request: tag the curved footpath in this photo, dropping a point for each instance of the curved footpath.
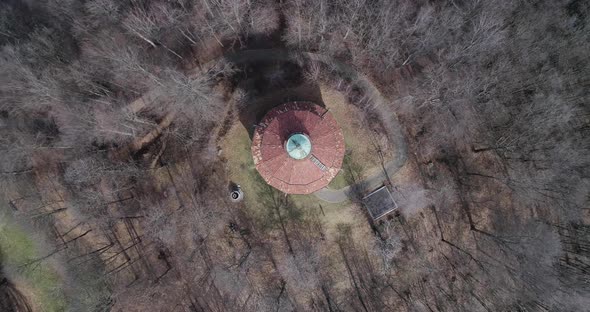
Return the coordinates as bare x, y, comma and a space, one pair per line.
376, 99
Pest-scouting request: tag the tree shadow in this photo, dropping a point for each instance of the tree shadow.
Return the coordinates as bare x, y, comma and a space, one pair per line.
353, 176
279, 213
265, 85
358, 188
11, 298
263, 40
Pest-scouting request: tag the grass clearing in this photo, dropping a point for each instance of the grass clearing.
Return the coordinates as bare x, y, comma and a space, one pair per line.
241, 170
361, 142
351, 171
343, 177
240, 165
42, 284
339, 181
360, 160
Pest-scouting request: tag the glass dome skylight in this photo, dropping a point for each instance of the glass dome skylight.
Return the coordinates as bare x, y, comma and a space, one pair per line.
298, 146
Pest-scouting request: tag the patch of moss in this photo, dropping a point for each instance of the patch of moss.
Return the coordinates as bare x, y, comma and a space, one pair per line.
41, 280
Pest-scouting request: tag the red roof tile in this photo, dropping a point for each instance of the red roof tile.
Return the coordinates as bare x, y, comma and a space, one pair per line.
291, 175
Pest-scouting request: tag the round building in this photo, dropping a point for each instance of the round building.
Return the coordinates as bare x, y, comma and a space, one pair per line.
298, 147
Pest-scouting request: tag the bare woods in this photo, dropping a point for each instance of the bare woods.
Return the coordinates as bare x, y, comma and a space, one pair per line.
111, 113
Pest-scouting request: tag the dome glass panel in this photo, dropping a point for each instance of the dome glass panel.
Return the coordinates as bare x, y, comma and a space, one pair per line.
298, 146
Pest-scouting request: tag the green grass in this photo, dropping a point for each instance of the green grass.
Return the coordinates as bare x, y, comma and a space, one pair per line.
343, 178
350, 172
241, 165
312, 202
42, 280
339, 181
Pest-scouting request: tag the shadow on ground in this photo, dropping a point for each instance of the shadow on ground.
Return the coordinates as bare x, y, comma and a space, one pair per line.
11, 298
261, 86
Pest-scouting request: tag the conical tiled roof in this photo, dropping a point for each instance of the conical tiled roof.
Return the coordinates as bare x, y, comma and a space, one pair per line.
284, 171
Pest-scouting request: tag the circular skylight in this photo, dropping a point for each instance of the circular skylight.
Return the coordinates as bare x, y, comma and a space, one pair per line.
298, 146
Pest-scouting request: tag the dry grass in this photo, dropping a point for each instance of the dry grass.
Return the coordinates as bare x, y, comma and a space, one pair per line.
362, 144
